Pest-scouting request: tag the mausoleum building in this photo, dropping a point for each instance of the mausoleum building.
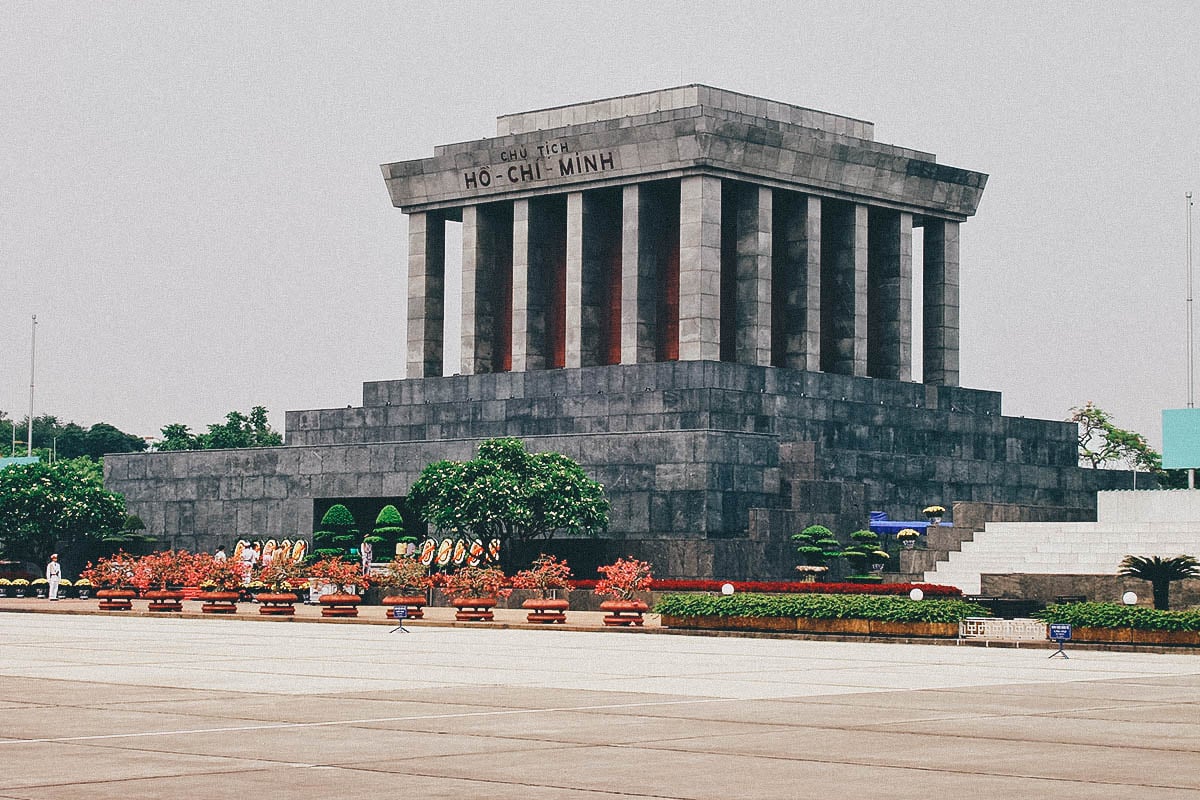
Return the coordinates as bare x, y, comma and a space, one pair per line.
706, 299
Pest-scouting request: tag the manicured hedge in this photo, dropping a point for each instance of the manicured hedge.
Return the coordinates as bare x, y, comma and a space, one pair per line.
795, 587
819, 606
1115, 615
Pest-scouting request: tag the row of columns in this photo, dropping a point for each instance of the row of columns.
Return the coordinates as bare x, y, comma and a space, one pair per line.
697, 268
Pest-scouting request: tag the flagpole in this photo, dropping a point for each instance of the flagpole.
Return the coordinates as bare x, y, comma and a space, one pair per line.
32, 350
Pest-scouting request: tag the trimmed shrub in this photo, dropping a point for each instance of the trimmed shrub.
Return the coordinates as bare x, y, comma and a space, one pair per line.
820, 606
1115, 615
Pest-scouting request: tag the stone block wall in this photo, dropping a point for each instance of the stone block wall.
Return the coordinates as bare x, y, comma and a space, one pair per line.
709, 466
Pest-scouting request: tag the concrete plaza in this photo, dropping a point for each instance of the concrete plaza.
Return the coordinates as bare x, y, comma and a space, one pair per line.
132, 707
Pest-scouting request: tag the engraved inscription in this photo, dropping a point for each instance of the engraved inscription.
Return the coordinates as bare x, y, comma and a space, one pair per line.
547, 161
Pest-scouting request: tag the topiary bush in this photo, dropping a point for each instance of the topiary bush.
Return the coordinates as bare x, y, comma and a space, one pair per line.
338, 532
389, 527
1115, 615
885, 608
817, 545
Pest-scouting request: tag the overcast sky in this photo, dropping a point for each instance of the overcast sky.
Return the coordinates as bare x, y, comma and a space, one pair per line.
192, 203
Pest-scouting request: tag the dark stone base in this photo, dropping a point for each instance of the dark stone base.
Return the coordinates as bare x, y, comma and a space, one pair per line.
709, 466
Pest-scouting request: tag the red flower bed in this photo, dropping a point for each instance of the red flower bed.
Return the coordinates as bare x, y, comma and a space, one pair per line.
796, 587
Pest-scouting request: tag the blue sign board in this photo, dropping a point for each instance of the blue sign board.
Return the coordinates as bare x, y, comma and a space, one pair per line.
399, 612
1181, 438
1059, 632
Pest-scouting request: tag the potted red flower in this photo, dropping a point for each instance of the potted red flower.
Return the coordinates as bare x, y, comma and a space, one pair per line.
114, 576
345, 577
622, 579
405, 582
547, 577
474, 590
220, 583
281, 577
161, 577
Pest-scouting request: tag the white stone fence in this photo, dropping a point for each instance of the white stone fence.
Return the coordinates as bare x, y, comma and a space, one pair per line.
1002, 630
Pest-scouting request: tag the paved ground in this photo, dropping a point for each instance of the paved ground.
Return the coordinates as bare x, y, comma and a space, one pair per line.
132, 707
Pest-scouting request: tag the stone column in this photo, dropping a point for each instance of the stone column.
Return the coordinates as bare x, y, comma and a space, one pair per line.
520, 282
487, 232
597, 327
575, 245
700, 268
843, 288
637, 282
754, 218
889, 295
470, 275
426, 293
941, 302
796, 283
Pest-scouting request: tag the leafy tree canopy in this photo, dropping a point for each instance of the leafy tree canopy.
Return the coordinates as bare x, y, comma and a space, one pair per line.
68, 440
1103, 444
510, 494
49, 507
237, 431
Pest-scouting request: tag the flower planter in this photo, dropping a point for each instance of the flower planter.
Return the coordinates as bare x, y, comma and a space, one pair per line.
164, 601
277, 604
219, 602
1134, 636
339, 604
474, 609
942, 629
1191, 638
850, 626
414, 602
116, 599
623, 613
41, 591
715, 623
846, 626
545, 611
19, 591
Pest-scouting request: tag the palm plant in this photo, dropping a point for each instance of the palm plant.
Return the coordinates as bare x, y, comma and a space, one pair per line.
1161, 572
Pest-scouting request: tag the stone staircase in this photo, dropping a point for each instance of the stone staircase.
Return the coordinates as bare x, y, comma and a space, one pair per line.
1164, 523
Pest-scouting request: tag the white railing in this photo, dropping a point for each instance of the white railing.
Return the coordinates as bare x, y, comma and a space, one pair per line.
1002, 630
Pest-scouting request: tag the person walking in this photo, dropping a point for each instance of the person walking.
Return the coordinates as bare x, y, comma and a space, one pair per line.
220, 554
54, 575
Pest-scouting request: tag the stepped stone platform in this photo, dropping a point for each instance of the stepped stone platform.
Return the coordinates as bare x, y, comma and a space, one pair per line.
1163, 523
710, 466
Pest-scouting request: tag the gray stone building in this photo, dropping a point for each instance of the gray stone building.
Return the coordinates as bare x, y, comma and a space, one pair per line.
706, 299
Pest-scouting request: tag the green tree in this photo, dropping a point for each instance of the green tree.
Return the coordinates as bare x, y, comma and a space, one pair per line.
510, 494
177, 436
69, 440
337, 534
1101, 443
48, 507
1161, 572
817, 545
389, 527
863, 549
237, 431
